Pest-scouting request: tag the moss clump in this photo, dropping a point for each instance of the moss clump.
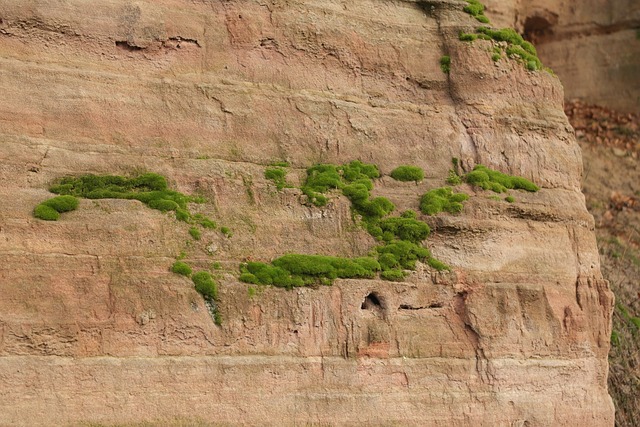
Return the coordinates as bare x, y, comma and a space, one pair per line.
266, 274
226, 231
311, 267
195, 233
205, 285
489, 179
278, 175
467, 37
401, 254
442, 200
404, 228
181, 268
393, 275
62, 203
324, 177
517, 47
496, 57
149, 188
445, 64
476, 9
407, 173
50, 209
401, 236
46, 213
510, 199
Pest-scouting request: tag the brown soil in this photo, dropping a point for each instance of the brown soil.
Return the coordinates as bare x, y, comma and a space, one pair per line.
610, 143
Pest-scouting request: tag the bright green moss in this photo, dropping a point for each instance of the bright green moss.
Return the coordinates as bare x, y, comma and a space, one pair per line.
442, 200
407, 173
50, 209
62, 203
46, 213
182, 268
205, 285
489, 179
510, 199
393, 275
476, 9
278, 176
409, 229
401, 254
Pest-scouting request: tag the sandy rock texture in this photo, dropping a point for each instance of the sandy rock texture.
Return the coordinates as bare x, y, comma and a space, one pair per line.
593, 45
95, 329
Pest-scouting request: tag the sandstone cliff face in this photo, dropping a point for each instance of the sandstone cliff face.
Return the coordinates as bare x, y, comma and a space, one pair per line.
94, 327
593, 46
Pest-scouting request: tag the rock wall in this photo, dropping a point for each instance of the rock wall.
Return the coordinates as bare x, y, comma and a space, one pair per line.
593, 46
95, 329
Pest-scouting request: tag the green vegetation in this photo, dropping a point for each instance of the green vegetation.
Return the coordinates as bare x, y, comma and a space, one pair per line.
50, 209
205, 285
226, 231
516, 48
216, 266
407, 173
148, 188
401, 237
324, 177
442, 200
498, 182
181, 268
467, 37
195, 233
445, 64
476, 9
454, 178
295, 270
46, 213
510, 199
277, 174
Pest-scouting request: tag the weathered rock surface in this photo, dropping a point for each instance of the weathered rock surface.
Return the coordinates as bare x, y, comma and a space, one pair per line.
593, 45
94, 327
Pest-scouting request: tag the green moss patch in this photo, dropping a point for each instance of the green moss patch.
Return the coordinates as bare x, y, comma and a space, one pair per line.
489, 179
516, 48
278, 175
181, 268
476, 9
205, 285
442, 200
50, 209
401, 237
407, 173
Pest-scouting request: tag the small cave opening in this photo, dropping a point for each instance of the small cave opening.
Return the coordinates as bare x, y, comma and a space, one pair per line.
372, 302
537, 29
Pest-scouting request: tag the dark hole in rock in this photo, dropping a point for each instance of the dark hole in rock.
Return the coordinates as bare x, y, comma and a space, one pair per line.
371, 302
537, 29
